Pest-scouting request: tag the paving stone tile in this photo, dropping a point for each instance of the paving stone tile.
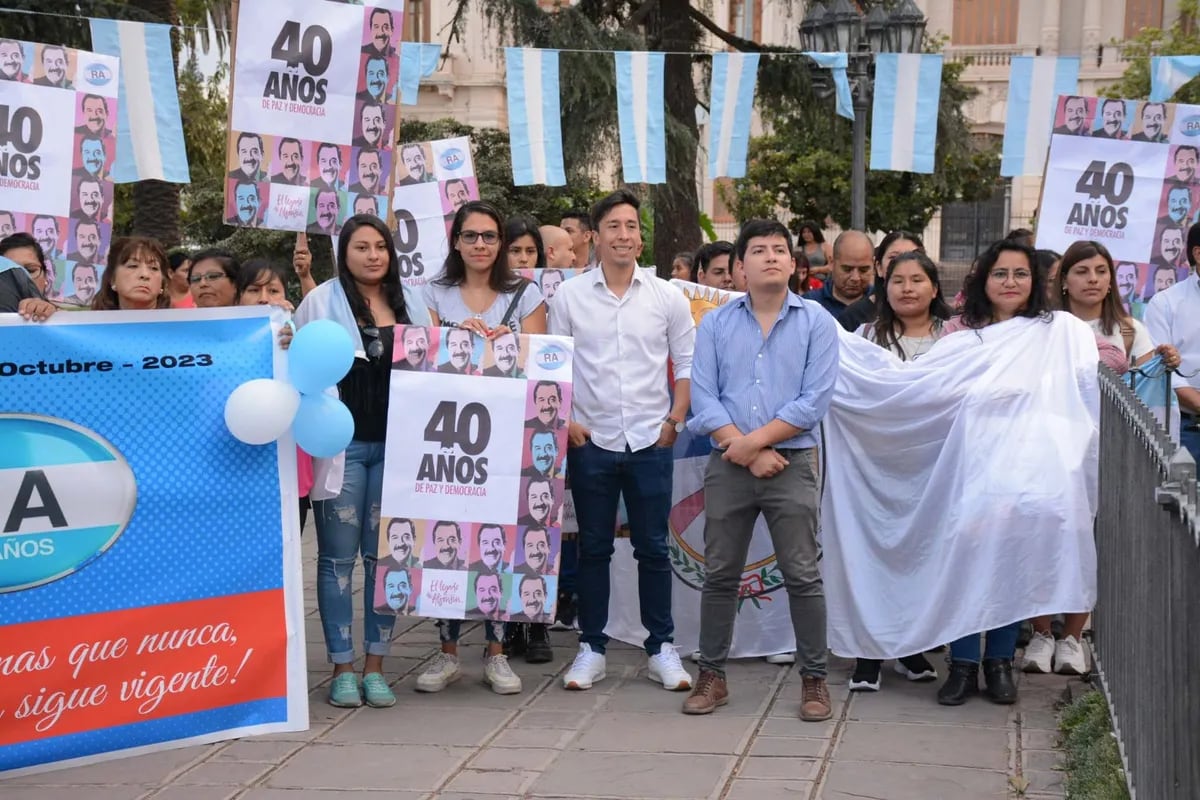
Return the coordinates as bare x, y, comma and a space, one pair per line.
633, 775
315, 731
918, 703
491, 781
1045, 760
793, 726
369, 766
562, 720
511, 758
11, 791
1040, 719
1044, 781
1039, 740
420, 725
256, 751
945, 745
770, 790
222, 773
533, 737
777, 767
663, 733
780, 746
855, 780
148, 770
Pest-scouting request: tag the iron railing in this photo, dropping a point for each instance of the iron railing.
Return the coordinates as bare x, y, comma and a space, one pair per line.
1146, 626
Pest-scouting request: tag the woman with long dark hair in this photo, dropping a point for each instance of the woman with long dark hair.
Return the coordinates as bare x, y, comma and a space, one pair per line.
367, 298
812, 242
479, 292
865, 308
525, 249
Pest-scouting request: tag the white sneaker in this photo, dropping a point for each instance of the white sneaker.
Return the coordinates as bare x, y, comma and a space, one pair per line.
665, 668
1038, 653
695, 656
1070, 657
499, 675
781, 658
440, 673
587, 668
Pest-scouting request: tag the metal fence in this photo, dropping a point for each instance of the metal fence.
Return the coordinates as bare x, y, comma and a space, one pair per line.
1147, 618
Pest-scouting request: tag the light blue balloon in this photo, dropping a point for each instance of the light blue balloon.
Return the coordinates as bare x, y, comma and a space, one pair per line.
320, 356
323, 426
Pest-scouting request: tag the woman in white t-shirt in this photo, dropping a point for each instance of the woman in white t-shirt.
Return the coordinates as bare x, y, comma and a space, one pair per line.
1085, 286
479, 292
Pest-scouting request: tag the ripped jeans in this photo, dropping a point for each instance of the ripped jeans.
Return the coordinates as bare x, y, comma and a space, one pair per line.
449, 630
348, 525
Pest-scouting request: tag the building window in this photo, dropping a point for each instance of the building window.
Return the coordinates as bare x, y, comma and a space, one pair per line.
984, 22
416, 21
745, 19
1141, 14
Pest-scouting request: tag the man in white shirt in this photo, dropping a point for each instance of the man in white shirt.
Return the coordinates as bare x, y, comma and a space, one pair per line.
626, 325
1173, 317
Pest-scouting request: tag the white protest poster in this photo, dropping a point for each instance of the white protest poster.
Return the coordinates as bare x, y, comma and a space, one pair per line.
312, 115
433, 181
471, 521
58, 112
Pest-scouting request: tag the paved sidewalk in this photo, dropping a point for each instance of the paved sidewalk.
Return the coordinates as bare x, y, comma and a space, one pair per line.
625, 739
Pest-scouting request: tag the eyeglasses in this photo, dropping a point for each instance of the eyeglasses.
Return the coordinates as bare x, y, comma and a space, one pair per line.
1002, 275
471, 237
35, 271
375, 348
211, 277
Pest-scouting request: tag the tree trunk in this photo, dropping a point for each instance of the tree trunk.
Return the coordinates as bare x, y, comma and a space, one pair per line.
156, 203
676, 206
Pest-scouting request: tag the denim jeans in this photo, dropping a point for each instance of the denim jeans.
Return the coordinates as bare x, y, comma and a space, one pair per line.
449, 630
1189, 437
348, 525
644, 478
1001, 643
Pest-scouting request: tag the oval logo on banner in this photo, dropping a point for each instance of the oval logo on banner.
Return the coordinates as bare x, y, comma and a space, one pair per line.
97, 74
66, 495
552, 356
453, 159
1190, 126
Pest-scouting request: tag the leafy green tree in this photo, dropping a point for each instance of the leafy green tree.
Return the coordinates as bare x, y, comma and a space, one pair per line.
1180, 39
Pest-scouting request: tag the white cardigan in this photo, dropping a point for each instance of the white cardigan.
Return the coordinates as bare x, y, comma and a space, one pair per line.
328, 301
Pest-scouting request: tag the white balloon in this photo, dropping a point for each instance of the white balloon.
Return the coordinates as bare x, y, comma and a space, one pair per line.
261, 410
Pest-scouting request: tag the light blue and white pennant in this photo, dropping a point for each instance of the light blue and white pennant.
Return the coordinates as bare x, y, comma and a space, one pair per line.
150, 142
534, 118
732, 110
418, 60
1168, 74
904, 117
641, 115
836, 63
1034, 84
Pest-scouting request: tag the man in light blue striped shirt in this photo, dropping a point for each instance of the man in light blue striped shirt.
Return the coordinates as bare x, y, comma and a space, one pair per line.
762, 377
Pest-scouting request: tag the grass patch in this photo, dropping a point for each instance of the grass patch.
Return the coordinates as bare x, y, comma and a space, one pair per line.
1093, 762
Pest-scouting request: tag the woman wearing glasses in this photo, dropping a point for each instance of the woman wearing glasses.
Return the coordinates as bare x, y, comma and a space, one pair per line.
213, 278
366, 298
479, 292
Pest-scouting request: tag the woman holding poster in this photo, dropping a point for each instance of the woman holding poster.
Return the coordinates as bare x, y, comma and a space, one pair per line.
368, 300
480, 293
136, 278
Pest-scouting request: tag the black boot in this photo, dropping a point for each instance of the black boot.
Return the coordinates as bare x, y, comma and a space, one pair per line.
961, 683
998, 680
514, 643
538, 649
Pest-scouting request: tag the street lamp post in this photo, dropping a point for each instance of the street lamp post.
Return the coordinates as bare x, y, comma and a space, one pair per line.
840, 27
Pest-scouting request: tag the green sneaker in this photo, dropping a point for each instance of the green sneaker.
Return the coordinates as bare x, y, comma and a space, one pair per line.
379, 694
343, 692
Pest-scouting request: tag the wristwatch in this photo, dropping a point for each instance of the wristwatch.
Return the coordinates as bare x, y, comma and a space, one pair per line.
676, 424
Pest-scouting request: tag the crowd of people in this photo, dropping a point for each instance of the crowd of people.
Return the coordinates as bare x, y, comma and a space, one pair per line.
756, 376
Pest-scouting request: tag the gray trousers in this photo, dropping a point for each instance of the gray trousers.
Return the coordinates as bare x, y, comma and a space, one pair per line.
733, 499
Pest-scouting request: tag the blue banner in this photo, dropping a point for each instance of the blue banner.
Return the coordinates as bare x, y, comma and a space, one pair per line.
149, 562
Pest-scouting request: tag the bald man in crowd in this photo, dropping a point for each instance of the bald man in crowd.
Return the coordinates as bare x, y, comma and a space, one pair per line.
560, 250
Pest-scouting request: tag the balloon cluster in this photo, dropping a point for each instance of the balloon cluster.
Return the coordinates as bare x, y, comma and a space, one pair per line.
260, 411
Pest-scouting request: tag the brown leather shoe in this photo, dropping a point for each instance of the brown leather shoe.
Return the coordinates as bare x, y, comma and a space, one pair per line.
709, 692
814, 699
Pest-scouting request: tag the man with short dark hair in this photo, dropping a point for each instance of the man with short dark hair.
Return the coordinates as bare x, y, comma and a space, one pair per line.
89, 201
371, 126
401, 537
578, 225
539, 502
382, 27
415, 340
329, 168
412, 156
246, 205
851, 273
447, 541
1154, 123
1185, 162
460, 353
45, 230
93, 158
375, 79
54, 65
489, 589
491, 545
458, 194
250, 158
713, 265
1173, 317
12, 61
1074, 117
327, 211
543, 452
95, 117
1178, 206
532, 592
1112, 119
763, 377
535, 548
621, 440
8, 224
365, 204
291, 163
87, 243
506, 353
370, 170
547, 398
83, 280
